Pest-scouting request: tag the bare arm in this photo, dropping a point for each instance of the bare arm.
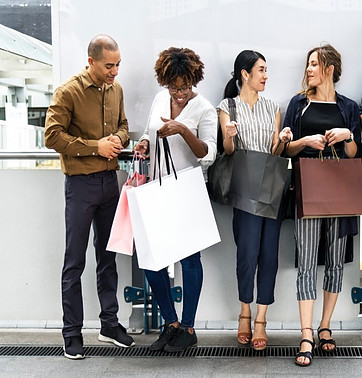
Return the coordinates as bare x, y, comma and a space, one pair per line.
280, 138
317, 141
228, 131
336, 135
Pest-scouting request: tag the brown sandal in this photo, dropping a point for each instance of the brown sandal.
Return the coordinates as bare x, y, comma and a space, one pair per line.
244, 337
259, 339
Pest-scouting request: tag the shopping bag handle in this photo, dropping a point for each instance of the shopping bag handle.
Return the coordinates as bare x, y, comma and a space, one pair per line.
168, 158
135, 158
334, 154
137, 171
279, 141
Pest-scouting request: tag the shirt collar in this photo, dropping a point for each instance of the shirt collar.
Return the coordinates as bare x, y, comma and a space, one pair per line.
88, 82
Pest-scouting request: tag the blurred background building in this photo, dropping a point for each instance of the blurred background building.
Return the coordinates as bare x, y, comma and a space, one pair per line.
26, 79
31, 17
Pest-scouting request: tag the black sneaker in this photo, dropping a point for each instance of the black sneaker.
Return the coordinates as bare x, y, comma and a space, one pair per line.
181, 341
168, 332
73, 347
116, 335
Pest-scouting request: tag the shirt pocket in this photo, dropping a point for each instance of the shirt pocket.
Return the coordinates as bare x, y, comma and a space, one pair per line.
267, 126
267, 130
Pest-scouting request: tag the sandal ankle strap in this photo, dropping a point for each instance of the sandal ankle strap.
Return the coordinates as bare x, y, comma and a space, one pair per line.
324, 330
311, 329
259, 322
244, 317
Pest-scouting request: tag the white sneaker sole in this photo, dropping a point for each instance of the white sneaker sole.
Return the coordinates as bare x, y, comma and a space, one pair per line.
76, 357
106, 339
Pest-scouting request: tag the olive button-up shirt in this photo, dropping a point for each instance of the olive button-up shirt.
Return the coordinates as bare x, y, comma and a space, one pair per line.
80, 114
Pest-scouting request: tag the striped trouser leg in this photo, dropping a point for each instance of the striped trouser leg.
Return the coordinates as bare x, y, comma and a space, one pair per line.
307, 234
333, 273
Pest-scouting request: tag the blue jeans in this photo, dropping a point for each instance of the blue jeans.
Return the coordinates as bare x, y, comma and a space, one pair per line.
192, 276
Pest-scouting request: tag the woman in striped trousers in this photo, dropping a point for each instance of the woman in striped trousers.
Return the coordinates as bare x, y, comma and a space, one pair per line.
319, 118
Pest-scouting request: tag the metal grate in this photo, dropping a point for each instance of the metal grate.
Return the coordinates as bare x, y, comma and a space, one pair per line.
202, 351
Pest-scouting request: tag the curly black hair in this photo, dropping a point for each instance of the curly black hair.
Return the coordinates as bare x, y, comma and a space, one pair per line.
179, 62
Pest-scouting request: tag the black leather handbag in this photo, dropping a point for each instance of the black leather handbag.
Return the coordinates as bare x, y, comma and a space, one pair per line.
219, 173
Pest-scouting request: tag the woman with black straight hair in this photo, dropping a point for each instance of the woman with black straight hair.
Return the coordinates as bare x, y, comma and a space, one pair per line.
256, 237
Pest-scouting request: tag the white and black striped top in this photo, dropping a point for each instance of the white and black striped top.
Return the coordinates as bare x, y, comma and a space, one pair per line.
256, 126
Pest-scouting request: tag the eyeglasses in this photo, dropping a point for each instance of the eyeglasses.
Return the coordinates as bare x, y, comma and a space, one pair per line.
174, 89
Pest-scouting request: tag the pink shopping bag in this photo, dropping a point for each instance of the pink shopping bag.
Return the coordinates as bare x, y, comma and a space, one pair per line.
121, 236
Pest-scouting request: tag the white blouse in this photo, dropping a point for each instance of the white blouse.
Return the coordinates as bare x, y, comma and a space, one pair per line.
199, 116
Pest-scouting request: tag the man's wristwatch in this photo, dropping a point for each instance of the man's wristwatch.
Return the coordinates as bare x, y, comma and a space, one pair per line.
350, 138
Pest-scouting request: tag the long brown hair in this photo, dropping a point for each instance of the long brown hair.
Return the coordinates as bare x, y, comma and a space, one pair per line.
327, 56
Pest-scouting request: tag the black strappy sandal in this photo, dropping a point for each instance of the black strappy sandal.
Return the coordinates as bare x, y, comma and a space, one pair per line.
308, 354
323, 342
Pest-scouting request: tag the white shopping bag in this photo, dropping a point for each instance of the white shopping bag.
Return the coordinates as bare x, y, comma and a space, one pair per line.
173, 220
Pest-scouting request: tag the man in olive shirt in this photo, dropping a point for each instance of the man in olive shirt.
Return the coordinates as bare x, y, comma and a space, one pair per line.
87, 125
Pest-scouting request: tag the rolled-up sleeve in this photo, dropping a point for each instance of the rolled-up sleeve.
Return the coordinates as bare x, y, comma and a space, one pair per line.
207, 132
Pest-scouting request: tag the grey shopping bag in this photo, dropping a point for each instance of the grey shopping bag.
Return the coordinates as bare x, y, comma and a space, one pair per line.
257, 182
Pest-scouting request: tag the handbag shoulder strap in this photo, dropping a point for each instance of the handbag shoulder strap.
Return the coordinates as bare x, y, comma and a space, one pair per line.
220, 138
232, 109
232, 112
237, 139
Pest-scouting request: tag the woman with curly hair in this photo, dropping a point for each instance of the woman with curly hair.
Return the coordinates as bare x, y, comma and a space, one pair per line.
190, 123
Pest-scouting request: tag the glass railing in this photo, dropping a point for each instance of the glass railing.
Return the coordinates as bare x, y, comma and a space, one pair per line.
18, 142
22, 147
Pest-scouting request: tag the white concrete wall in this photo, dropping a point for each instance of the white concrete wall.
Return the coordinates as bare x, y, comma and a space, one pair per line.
32, 239
32, 203
31, 257
283, 30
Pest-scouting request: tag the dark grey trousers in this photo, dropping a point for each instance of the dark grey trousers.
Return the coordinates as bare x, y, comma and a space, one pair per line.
90, 199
